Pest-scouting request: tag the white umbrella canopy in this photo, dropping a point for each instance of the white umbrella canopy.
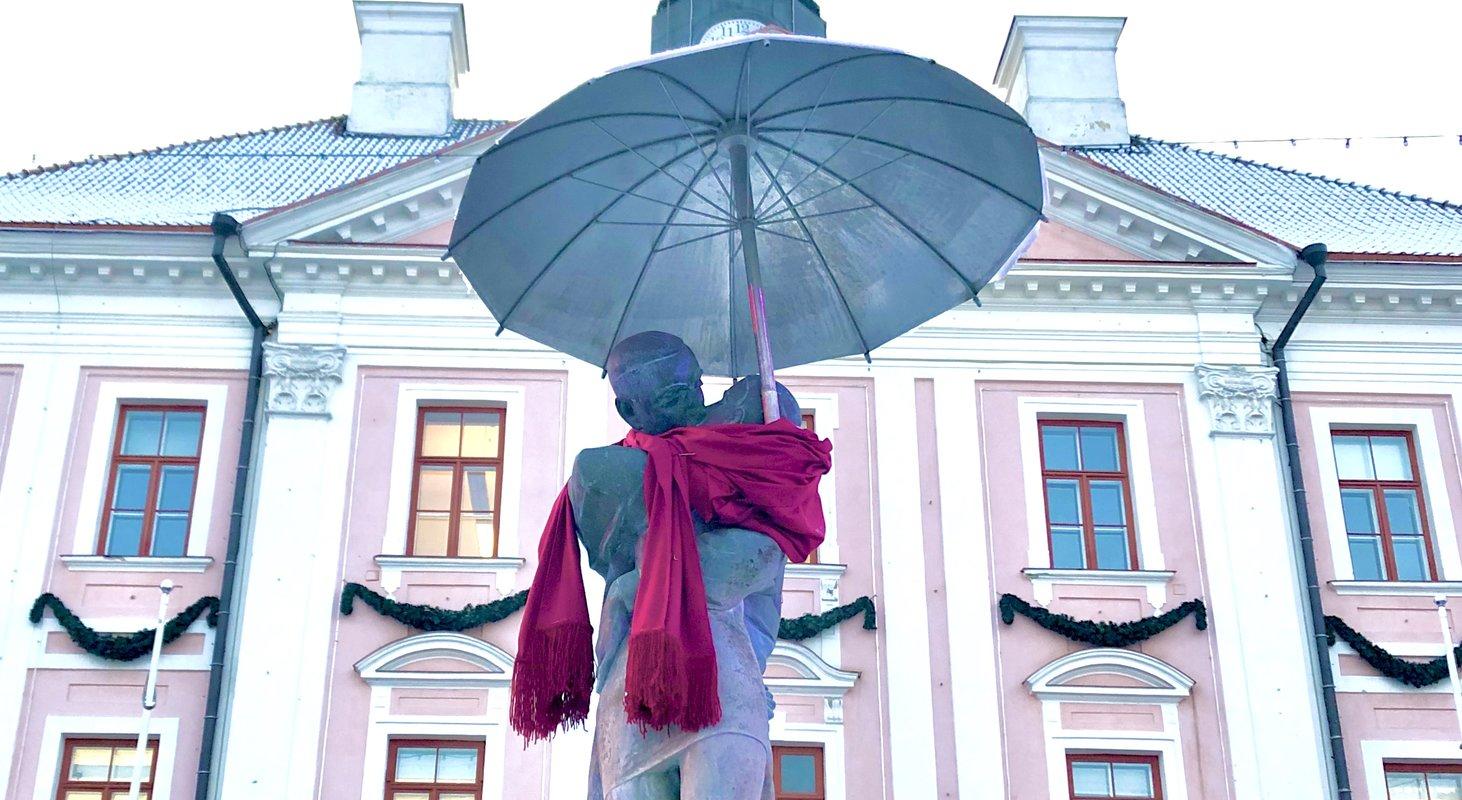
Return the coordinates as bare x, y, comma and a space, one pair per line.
870, 189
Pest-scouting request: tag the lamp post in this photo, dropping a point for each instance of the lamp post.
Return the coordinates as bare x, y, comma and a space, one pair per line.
1450, 657
149, 695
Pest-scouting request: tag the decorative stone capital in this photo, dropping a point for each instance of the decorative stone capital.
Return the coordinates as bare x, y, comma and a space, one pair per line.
1240, 400
302, 378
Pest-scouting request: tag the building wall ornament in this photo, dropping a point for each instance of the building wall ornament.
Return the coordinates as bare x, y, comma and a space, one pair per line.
302, 377
1240, 400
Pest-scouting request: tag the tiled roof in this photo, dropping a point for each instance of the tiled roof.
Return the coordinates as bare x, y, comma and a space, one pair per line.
244, 174
1294, 207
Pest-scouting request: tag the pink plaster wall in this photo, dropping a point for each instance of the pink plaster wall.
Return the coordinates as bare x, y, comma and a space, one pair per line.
115, 692
1024, 647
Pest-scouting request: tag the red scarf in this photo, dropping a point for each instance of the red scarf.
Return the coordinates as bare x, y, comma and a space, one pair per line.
758, 477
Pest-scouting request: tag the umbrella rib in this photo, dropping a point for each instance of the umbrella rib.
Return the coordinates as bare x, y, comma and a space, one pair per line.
834, 187
794, 216
509, 142
688, 132
783, 165
662, 171
682, 84
911, 99
650, 199
503, 323
784, 235
939, 161
665, 224
693, 239
858, 134
811, 72
831, 278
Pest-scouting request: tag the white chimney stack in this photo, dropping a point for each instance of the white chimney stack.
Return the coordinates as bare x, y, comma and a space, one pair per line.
410, 57
1060, 73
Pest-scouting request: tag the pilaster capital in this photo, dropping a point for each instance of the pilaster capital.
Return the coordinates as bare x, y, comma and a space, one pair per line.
301, 378
1240, 400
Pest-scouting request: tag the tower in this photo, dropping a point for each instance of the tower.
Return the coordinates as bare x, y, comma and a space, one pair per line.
681, 23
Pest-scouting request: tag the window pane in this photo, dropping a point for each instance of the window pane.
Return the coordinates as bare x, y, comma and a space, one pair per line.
455, 796
456, 765
1067, 551
1106, 503
1359, 508
125, 536
180, 435
141, 432
1391, 457
1111, 547
411, 796
474, 535
1099, 449
479, 484
430, 536
169, 534
1410, 554
799, 773
1132, 780
1063, 502
480, 434
1058, 447
1365, 558
131, 489
1401, 512
1090, 779
1445, 785
441, 433
125, 758
416, 765
1353, 458
176, 491
90, 764
1405, 786
84, 795
434, 488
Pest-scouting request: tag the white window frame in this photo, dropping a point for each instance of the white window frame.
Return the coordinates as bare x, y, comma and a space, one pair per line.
59, 728
111, 395
816, 678
1374, 753
1421, 423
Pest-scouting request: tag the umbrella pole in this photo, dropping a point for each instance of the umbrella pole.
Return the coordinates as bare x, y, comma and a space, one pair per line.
746, 224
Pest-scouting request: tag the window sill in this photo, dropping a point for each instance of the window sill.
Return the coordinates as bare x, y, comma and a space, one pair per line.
393, 567
1154, 581
90, 563
1398, 588
827, 575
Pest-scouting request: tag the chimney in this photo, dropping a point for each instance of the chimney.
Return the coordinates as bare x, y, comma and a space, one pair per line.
1060, 73
410, 57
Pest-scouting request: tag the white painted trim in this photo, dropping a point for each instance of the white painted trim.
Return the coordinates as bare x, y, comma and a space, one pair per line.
394, 568
411, 397
1398, 588
168, 661
1167, 744
1378, 684
834, 749
1162, 682
111, 393
818, 679
48, 760
824, 408
1422, 424
1375, 752
1154, 582
484, 664
1139, 467
383, 726
180, 564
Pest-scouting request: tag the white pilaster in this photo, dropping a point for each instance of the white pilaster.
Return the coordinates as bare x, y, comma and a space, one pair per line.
905, 594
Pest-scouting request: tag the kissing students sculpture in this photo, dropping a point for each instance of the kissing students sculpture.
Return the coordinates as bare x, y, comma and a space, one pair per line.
691, 520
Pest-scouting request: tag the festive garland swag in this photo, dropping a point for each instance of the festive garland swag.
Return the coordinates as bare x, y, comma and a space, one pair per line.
121, 646
1412, 673
1102, 634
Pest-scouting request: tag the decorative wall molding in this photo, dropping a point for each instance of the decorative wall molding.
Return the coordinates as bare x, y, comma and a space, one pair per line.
302, 377
1240, 400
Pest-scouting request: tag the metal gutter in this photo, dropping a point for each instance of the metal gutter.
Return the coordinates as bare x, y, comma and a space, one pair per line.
1314, 255
223, 227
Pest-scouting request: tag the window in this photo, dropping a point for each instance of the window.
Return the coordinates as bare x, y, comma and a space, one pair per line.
809, 421
1380, 499
797, 772
457, 484
1423, 781
429, 769
1088, 501
101, 769
1127, 777
150, 489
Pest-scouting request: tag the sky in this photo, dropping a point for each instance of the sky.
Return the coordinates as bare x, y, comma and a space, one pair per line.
86, 77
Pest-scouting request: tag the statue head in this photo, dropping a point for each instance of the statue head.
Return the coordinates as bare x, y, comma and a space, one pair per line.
742, 403
657, 382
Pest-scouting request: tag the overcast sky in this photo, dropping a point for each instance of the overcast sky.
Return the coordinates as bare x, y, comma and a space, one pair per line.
93, 76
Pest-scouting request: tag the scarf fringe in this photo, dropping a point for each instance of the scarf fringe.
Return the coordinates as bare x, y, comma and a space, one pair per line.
664, 686
553, 677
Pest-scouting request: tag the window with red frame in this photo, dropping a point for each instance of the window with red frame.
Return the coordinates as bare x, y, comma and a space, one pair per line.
1119, 776
797, 772
434, 769
101, 769
1088, 500
1381, 501
150, 489
457, 482
1423, 781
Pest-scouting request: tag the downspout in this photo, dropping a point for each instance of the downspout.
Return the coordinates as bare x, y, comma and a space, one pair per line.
1315, 256
225, 226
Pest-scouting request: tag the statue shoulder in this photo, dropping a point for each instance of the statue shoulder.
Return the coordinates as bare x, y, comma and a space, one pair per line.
596, 460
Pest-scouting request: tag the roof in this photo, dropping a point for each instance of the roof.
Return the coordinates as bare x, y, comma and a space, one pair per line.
244, 174
1294, 207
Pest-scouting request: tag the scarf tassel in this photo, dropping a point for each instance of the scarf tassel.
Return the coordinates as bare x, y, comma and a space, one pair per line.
553, 678
664, 686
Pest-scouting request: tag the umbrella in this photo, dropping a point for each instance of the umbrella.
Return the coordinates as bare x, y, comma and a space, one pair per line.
771, 200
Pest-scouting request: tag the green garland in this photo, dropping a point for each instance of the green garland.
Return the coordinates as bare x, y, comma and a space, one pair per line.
121, 646
432, 618
810, 625
1412, 673
1102, 634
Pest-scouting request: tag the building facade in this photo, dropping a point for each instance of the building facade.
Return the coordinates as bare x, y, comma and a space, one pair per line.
1098, 439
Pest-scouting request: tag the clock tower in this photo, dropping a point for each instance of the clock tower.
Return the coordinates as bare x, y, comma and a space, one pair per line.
681, 23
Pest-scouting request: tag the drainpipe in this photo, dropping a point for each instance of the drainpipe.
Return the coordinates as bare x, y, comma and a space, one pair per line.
225, 226
1315, 256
